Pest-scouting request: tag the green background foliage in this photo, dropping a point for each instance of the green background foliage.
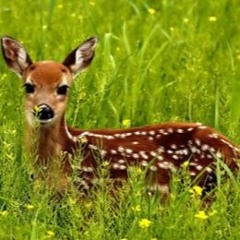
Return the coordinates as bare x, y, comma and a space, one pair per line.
156, 61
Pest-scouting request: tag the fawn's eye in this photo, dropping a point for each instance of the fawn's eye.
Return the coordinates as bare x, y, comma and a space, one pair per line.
62, 90
29, 88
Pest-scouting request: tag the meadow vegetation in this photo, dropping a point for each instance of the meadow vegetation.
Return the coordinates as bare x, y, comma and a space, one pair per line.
156, 61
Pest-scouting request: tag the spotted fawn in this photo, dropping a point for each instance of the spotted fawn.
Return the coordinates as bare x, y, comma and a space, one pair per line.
159, 149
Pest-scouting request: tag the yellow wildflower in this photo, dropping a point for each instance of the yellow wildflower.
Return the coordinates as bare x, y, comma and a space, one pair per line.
138, 170
144, 223
105, 164
36, 109
185, 164
201, 215
71, 201
50, 233
126, 123
212, 19
196, 191
82, 139
29, 206
151, 11
136, 209
3, 213
88, 205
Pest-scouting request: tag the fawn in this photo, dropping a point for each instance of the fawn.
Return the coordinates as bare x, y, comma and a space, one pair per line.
159, 149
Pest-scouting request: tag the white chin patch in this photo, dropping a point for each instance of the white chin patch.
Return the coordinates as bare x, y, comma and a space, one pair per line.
33, 121
44, 121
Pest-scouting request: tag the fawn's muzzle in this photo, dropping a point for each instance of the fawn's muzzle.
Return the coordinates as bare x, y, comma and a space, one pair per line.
43, 112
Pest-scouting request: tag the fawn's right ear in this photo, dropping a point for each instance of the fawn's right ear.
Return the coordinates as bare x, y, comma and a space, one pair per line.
15, 55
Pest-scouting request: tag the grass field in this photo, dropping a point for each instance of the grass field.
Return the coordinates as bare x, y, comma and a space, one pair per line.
156, 61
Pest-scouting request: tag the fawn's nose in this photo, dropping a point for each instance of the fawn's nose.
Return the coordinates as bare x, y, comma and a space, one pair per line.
43, 112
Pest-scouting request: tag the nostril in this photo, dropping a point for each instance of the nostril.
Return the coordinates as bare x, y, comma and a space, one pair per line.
43, 112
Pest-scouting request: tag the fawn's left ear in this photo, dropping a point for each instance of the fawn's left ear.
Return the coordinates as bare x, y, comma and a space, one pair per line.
15, 55
82, 56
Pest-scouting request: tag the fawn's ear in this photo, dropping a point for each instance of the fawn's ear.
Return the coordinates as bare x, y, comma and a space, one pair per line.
15, 55
82, 56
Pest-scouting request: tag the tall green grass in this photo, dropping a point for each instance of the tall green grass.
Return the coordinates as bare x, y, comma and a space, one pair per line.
156, 61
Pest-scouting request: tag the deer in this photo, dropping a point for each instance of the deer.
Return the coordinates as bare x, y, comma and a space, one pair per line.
159, 149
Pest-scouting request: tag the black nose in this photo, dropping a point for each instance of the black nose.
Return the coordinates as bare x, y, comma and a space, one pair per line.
43, 112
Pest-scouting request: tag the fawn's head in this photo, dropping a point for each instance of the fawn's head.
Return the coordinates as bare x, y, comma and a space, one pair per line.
46, 83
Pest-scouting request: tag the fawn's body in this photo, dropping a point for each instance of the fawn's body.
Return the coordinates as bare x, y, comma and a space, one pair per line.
160, 149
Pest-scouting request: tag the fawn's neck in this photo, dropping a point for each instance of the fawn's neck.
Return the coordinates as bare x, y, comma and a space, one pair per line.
48, 142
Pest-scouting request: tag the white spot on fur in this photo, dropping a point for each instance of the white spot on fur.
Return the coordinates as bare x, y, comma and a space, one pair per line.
193, 164
197, 141
121, 149
194, 149
98, 135
213, 135
199, 167
116, 166
202, 127
137, 133
164, 165
103, 153
135, 155
205, 147
161, 131
175, 157
122, 135
93, 147
209, 170
153, 168
227, 143
87, 169
179, 130
122, 167
121, 161
144, 163
173, 146
212, 149
162, 188
160, 150
113, 151
218, 155
129, 151
153, 154
160, 157
143, 154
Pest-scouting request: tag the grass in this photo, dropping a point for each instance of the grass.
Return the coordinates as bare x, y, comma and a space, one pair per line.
156, 61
